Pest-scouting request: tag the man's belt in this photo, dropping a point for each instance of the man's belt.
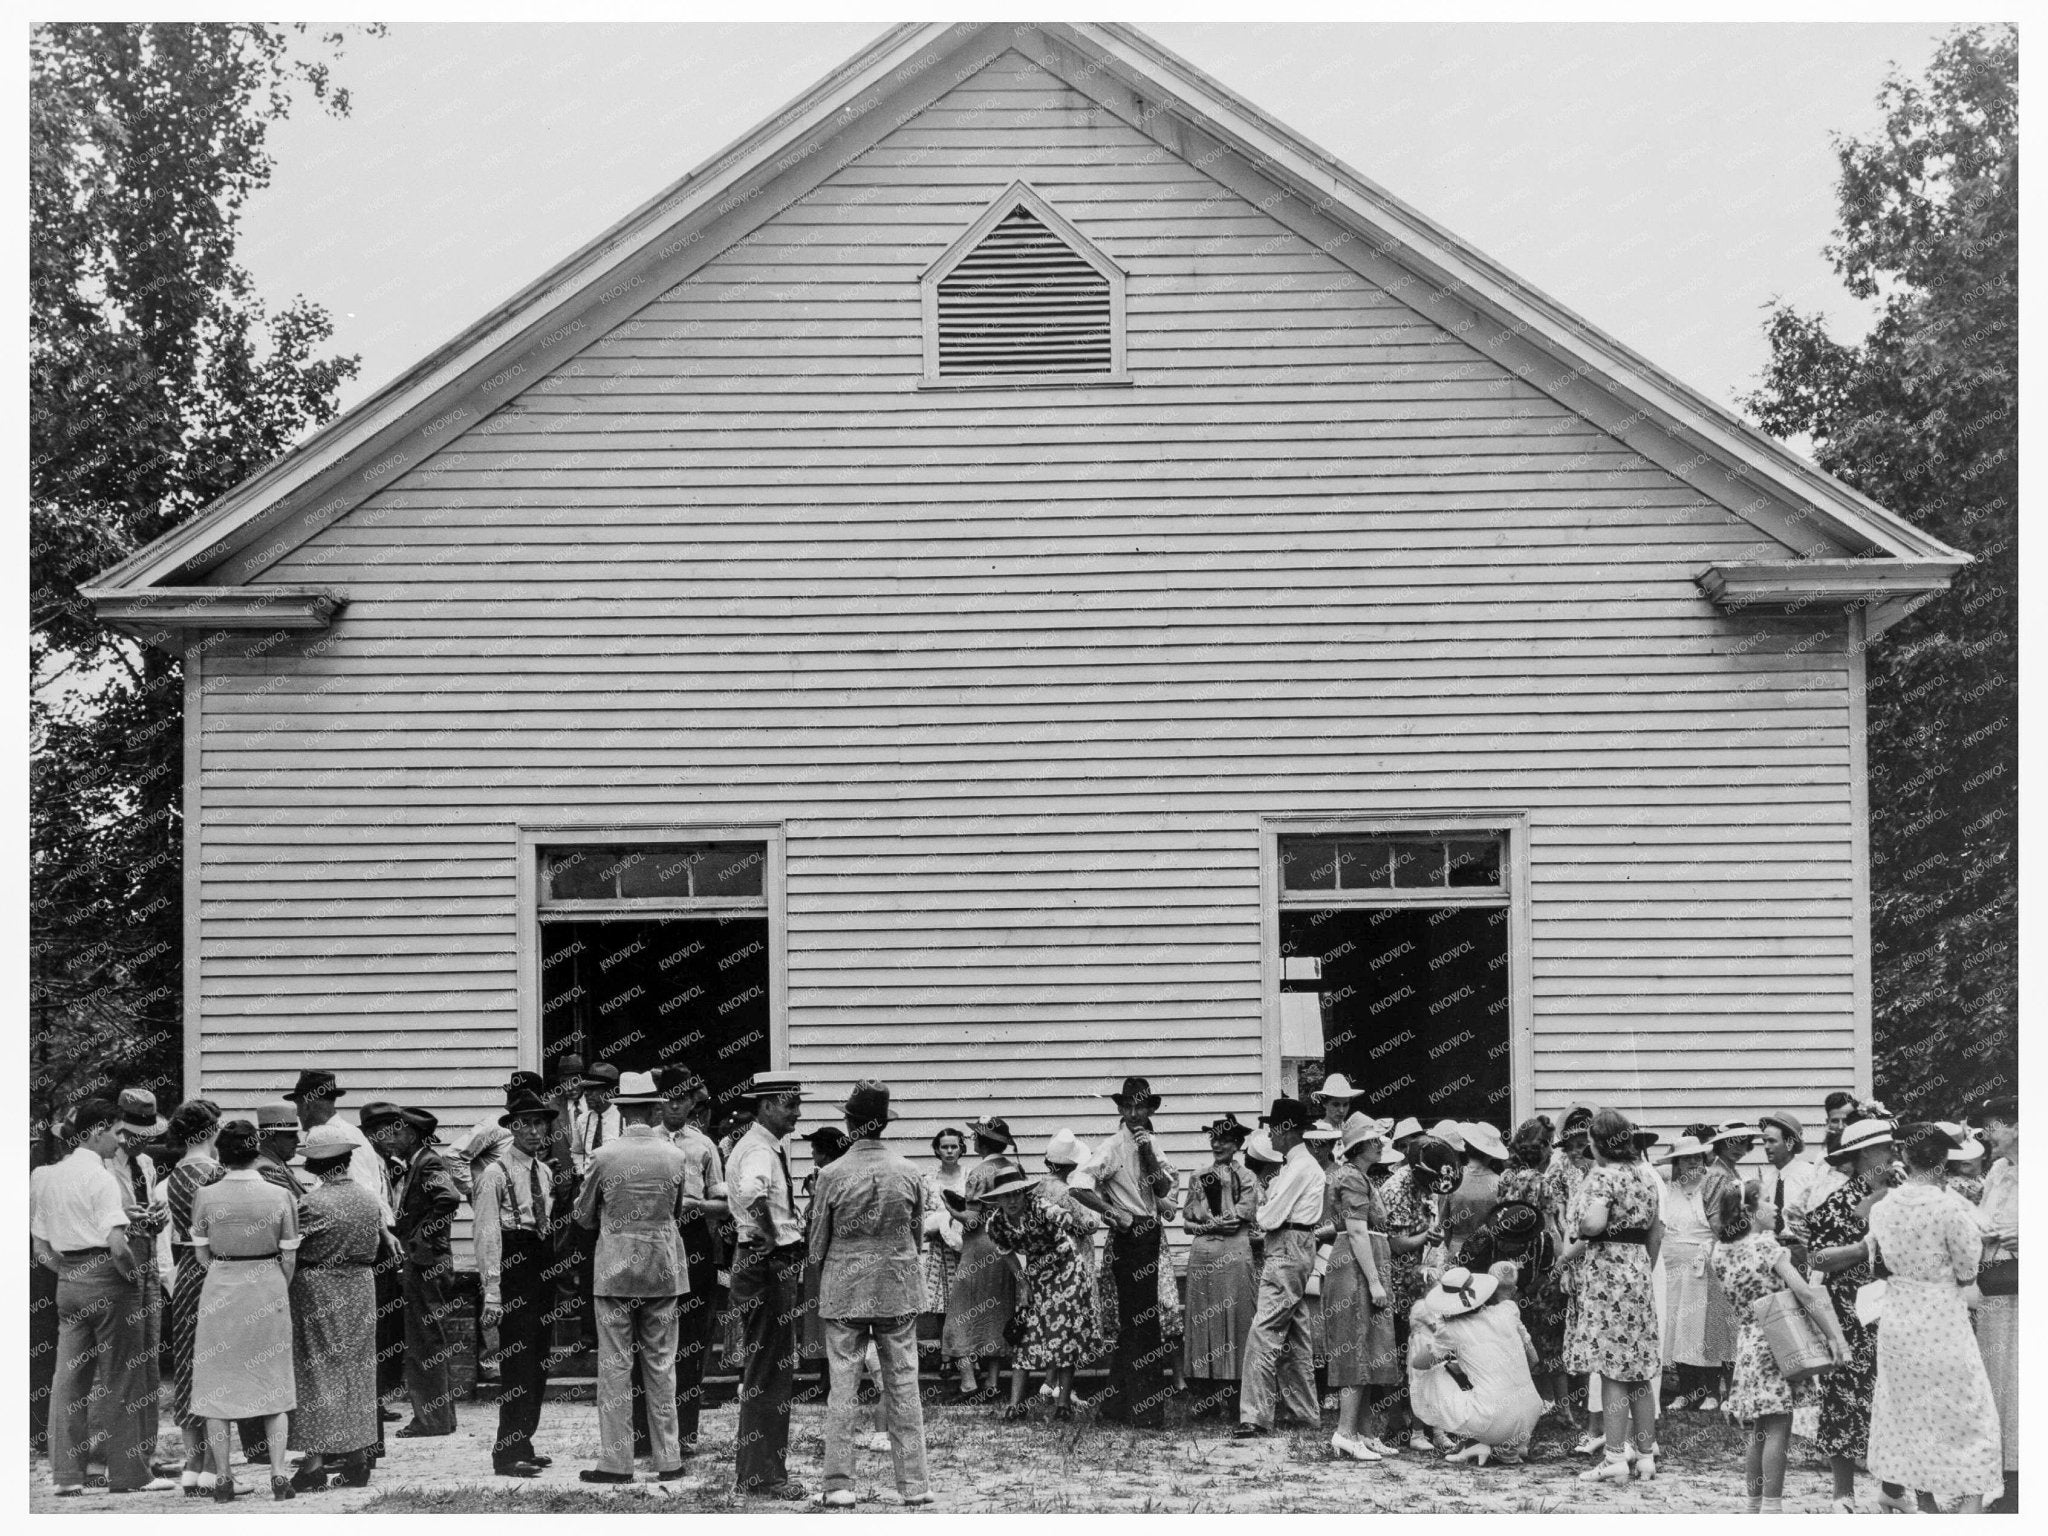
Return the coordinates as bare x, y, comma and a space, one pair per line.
78, 1253
1295, 1226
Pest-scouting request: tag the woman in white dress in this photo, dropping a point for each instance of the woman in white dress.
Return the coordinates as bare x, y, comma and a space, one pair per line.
1697, 1341
1933, 1422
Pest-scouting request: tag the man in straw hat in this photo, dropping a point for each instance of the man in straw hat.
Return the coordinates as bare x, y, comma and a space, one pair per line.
867, 1213
767, 1279
1125, 1183
1278, 1354
426, 1202
632, 1195
514, 1202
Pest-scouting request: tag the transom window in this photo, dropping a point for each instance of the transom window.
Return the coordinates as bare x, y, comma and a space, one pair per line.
685, 876
1387, 863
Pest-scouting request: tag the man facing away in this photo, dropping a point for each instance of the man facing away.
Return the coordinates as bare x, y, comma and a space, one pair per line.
426, 1202
633, 1196
867, 1210
767, 1276
78, 1226
1288, 1215
685, 1098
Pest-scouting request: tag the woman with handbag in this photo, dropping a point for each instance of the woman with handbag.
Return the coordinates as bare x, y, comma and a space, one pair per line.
1933, 1423
1753, 1267
1837, 1232
1356, 1303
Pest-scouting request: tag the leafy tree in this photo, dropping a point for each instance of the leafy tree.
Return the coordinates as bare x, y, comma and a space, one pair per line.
157, 381
1922, 416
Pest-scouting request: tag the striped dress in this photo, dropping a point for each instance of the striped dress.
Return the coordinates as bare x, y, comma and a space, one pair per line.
186, 1180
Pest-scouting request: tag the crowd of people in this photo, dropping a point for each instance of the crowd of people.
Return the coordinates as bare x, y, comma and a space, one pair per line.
1447, 1286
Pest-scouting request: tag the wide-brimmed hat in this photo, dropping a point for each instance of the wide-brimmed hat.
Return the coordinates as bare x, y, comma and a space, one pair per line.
564, 1065
1732, 1130
1460, 1291
1008, 1184
1066, 1147
1288, 1112
634, 1087
602, 1075
1229, 1127
1515, 1225
1358, 1130
1483, 1138
1859, 1136
327, 1144
1408, 1126
1258, 1148
867, 1108
1785, 1121
1321, 1131
1450, 1133
527, 1104
1136, 1090
992, 1128
1390, 1156
138, 1112
1646, 1139
767, 1086
90, 1114
1915, 1133
275, 1117
316, 1085
1337, 1086
1685, 1146
423, 1122
1967, 1144
827, 1141
378, 1112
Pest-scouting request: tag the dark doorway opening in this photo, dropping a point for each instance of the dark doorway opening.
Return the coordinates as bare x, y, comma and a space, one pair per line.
1414, 1005
645, 993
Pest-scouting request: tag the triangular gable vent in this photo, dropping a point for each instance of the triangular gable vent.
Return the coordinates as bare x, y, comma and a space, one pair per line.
1022, 297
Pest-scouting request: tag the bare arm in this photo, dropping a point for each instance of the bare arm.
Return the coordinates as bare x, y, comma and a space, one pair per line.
1368, 1261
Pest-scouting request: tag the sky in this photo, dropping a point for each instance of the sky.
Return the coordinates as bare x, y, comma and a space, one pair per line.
1665, 181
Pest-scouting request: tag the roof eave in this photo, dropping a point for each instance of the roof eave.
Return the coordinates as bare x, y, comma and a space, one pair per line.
1886, 589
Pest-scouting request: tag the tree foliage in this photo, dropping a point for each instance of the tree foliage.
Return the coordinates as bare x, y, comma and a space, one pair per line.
1922, 417
157, 382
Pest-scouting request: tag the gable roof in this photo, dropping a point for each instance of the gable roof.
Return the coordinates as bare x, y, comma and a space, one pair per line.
1853, 550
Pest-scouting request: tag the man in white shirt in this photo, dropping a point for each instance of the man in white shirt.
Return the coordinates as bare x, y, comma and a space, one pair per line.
1841, 1108
686, 1098
595, 1121
514, 1205
1278, 1354
1125, 1182
78, 1228
314, 1095
487, 1138
1789, 1173
767, 1277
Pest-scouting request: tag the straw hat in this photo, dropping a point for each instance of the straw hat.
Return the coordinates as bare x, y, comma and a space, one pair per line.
1859, 1136
1685, 1146
1065, 1147
1258, 1148
1009, 1184
1408, 1126
1483, 1138
1358, 1130
1337, 1086
1460, 1291
1451, 1132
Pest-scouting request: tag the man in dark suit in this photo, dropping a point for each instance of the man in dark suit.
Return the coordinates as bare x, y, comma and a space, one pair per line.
425, 1203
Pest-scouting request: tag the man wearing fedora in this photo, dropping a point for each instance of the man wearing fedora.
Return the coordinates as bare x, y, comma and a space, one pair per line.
313, 1098
1125, 1183
513, 1201
426, 1203
767, 1274
1279, 1357
867, 1215
1789, 1174
632, 1195
148, 1217
596, 1120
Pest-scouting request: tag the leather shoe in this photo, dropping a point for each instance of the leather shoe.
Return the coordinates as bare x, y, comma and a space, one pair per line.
788, 1488
413, 1431
1247, 1432
515, 1468
599, 1475
387, 1416
539, 1460
672, 1475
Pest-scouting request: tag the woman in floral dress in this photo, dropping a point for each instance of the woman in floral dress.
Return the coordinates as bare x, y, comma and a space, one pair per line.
1933, 1421
1750, 1265
1837, 1232
1412, 1200
1615, 1232
1058, 1310
194, 1125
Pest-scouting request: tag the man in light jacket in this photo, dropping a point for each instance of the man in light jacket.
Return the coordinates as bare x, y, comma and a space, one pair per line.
866, 1211
633, 1195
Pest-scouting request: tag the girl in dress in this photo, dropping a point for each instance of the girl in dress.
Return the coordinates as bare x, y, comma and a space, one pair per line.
942, 1236
1751, 1264
1617, 1231
1933, 1423
1058, 1305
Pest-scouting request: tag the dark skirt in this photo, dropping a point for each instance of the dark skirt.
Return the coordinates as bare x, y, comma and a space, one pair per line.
185, 1287
1222, 1296
334, 1352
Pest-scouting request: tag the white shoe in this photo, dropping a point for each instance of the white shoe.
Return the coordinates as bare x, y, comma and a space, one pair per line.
1045, 1390
890, 1496
1709, 1404
1378, 1446
838, 1498
875, 1442
1357, 1450
1592, 1441
1644, 1466
1418, 1441
1612, 1469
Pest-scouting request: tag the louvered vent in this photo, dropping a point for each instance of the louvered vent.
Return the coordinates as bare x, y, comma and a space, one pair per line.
1023, 301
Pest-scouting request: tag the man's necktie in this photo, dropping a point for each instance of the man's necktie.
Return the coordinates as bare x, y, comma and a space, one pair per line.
597, 1134
540, 1198
135, 1177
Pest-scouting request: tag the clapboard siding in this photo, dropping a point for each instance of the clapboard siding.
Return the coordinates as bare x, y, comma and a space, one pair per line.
1018, 671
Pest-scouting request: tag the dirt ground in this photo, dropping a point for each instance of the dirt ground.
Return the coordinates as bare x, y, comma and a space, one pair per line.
979, 1463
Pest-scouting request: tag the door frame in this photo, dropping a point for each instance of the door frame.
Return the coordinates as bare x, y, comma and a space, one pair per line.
1512, 825
531, 836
